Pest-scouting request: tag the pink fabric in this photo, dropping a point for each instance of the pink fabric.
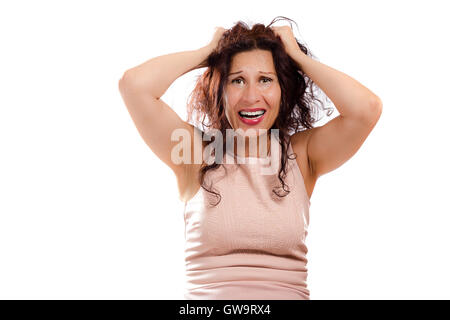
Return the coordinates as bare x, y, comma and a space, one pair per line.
252, 245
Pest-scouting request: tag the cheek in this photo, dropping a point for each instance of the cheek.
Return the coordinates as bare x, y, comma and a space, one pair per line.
274, 102
273, 96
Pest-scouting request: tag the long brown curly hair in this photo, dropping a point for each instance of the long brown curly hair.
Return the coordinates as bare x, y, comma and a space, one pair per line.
206, 103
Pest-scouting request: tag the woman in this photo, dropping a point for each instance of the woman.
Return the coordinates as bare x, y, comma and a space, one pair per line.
245, 231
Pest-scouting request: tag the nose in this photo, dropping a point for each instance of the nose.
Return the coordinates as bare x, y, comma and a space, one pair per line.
251, 94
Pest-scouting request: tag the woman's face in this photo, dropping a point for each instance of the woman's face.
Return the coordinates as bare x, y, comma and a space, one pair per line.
252, 85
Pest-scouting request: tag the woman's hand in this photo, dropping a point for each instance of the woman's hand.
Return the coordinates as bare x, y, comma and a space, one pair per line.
288, 39
216, 37
209, 48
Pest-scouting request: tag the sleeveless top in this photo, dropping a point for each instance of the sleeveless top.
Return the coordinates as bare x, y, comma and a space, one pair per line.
252, 244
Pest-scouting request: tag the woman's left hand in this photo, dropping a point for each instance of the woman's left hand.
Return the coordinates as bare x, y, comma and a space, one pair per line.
287, 38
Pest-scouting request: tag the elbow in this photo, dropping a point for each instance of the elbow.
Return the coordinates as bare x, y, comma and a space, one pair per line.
375, 110
377, 106
133, 83
123, 81
128, 85
121, 84
376, 103
126, 80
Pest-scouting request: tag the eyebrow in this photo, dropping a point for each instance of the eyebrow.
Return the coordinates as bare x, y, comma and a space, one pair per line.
258, 71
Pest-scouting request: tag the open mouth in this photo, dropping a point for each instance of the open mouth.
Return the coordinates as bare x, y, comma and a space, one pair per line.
252, 115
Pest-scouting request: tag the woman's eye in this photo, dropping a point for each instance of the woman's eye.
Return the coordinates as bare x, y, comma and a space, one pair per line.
239, 79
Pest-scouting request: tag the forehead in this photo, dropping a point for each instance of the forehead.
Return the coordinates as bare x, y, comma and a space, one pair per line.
255, 59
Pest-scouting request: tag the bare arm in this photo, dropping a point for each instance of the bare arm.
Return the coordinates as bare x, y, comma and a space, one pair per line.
157, 74
332, 144
141, 88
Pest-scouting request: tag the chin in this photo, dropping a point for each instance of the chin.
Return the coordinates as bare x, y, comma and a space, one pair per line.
256, 130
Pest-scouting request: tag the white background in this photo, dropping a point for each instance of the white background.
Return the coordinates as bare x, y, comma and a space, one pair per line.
87, 211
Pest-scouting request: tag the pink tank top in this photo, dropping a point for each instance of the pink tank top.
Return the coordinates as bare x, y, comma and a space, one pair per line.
252, 244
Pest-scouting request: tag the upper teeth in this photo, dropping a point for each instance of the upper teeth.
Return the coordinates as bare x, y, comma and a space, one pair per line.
255, 113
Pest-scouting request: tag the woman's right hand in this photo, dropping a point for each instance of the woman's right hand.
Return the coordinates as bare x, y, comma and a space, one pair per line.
216, 37
209, 48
